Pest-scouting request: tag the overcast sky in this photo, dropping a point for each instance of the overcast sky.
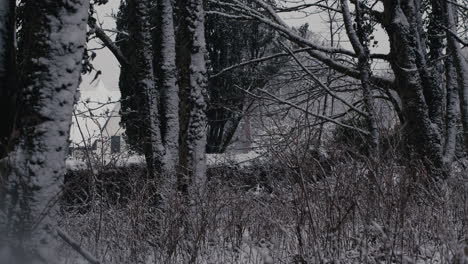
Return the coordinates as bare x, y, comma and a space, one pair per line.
110, 68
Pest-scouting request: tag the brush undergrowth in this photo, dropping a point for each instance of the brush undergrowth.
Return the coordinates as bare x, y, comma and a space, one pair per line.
346, 212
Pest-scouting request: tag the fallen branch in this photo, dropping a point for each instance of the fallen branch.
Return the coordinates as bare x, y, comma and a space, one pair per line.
77, 247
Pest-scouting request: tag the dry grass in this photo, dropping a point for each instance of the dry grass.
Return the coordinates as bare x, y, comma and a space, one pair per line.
358, 213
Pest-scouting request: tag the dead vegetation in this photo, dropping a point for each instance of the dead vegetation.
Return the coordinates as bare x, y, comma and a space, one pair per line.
353, 211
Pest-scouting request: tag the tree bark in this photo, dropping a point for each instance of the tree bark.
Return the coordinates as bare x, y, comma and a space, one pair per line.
51, 74
140, 34
435, 92
169, 87
453, 111
362, 51
193, 81
422, 134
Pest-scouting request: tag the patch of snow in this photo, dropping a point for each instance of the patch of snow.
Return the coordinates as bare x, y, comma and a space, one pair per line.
242, 159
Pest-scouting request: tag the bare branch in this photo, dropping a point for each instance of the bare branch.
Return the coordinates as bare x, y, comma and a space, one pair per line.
258, 60
108, 42
322, 85
304, 6
281, 26
228, 15
331, 120
318, 52
352, 35
275, 98
457, 5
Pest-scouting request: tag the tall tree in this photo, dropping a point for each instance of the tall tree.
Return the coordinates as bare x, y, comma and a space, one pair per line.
165, 89
402, 21
452, 109
191, 51
359, 40
133, 101
169, 88
460, 65
52, 47
142, 71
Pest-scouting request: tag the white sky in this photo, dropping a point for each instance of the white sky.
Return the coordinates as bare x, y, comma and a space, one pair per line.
110, 68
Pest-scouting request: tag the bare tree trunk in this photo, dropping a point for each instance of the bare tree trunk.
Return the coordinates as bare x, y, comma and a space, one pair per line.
52, 72
461, 67
169, 87
8, 89
143, 71
193, 81
357, 41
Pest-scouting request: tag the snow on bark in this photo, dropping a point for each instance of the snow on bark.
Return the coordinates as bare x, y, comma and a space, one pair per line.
170, 88
52, 74
193, 82
198, 82
461, 66
365, 69
453, 110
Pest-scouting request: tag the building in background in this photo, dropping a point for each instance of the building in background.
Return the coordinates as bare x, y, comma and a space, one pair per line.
96, 125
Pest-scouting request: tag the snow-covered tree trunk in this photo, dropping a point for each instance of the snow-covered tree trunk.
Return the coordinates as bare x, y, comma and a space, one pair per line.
51, 75
461, 67
169, 87
357, 39
422, 134
7, 73
140, 34
452, 110
193, 81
